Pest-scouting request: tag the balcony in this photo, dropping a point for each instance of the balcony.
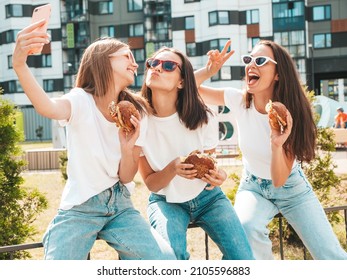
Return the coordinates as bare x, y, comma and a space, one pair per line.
74, 16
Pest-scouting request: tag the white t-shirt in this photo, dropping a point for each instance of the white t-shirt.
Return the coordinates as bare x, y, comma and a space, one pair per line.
167, 138
253, 132
93, 150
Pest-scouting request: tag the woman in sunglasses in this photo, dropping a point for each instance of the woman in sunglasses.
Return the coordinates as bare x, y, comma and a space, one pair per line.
272, 179
182, 123
102, 158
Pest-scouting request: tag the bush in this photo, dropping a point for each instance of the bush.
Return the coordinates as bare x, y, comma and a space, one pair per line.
18, 207
63, 164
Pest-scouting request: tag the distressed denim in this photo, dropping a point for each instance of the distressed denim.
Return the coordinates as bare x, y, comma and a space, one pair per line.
258, 201
212, 211
110, 216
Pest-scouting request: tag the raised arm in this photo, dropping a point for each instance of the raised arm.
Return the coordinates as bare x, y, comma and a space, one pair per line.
215, 61
27, 40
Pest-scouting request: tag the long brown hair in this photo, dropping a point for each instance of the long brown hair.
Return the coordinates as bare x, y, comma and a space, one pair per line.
290, 91
95, 74
191, 109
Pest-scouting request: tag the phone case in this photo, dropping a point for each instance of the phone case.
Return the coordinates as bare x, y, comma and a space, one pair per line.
39, 13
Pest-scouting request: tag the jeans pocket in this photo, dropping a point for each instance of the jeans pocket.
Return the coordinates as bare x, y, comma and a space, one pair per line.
126, 192
123, 190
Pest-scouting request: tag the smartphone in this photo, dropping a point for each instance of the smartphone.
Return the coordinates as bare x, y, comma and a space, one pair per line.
39, 13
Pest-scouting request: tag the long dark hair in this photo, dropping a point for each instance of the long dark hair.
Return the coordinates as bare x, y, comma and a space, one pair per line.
191, 109
95, 74
291, 92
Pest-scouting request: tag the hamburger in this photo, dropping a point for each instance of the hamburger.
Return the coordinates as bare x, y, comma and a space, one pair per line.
202, 162
277, 112
121, 113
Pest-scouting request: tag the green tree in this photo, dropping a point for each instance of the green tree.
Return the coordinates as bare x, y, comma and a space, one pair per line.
18, 206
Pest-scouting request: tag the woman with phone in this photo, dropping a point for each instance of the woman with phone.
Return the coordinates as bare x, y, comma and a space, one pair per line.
102, 159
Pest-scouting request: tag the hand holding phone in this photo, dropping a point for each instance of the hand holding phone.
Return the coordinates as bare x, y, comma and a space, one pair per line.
39, 13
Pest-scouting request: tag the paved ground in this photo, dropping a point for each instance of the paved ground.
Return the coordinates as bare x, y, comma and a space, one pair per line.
340, 159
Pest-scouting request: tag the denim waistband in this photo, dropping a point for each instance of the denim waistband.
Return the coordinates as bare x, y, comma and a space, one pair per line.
268, 181
256, 178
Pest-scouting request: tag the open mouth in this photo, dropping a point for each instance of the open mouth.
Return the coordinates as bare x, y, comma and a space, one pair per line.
252, 79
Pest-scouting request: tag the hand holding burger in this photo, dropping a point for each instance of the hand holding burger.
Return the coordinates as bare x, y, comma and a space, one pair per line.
202, 162
121, 113
277, 115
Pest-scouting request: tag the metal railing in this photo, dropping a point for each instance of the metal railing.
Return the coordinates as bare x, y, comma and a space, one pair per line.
13, 248
22, 247
327, 210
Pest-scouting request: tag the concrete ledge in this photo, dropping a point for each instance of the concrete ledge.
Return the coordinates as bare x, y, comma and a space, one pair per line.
340, 136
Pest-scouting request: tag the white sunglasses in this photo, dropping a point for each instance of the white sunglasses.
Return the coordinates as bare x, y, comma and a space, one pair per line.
259, 60
127, 53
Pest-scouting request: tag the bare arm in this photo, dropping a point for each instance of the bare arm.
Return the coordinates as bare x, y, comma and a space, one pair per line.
155, 181
215, 61
281, 163
28, 39
212, 96
130, 153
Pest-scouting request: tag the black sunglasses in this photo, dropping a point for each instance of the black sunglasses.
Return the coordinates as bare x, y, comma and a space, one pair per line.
167, 65
259, 60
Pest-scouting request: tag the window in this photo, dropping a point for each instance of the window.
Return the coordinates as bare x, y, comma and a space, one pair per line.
9, 61
106, 31
136, 30
46, 60
11, 35
135, 5
139, 54
191, 1
301, 65
48, 85
218, 17
191, 49
321, 13
294, 41
218, 44
252, 16
14, 10
138, 81
321, 41
252, 42
289, 9
105, 7
189, 23
223, 74
14, 86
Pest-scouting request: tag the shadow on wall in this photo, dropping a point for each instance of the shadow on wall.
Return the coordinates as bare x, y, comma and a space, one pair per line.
326, 109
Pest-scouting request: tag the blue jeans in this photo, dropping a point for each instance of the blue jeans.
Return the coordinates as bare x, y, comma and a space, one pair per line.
212, 211
110, 216
258, 201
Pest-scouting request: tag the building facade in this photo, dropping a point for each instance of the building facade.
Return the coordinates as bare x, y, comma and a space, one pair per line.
314, 32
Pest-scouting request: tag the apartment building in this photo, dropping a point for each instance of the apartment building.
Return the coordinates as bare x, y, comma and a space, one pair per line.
314, 31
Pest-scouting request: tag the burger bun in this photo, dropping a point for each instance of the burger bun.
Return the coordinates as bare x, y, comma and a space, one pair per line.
202, 162
121, 113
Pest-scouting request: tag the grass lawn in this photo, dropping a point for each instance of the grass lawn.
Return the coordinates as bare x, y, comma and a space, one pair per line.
51, 184
35, 145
